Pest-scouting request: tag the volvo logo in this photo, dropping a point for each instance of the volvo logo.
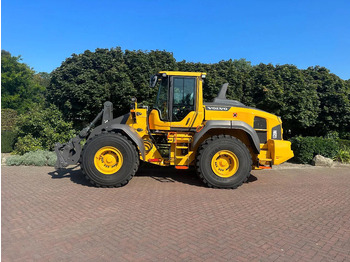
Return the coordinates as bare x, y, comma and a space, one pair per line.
218, 108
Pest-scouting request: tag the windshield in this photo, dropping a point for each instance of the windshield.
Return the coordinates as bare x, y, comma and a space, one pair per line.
162, 99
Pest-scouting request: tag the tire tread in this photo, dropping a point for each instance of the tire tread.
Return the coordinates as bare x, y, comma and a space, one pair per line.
132, 173
209, 142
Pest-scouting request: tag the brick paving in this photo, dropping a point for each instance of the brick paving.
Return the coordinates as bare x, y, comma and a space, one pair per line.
169, 215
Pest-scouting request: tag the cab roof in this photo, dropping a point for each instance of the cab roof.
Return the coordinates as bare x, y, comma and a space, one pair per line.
180, 73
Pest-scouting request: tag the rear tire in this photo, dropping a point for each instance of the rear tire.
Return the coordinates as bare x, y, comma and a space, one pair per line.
223, 162
110, 160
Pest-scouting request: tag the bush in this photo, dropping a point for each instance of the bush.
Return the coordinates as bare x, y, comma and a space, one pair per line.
344, 144
345, 135
26, 144
305, 148
332, 135
51, 158
36, 158
344, 155
14, 160
41, 128
8, 139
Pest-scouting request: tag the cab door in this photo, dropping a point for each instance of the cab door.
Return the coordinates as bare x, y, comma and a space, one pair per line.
175, 107
182, 102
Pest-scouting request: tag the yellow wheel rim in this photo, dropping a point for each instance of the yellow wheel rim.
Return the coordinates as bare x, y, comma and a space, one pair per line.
108, 160
224, 163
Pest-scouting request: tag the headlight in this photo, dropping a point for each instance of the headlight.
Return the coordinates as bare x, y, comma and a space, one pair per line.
276, 132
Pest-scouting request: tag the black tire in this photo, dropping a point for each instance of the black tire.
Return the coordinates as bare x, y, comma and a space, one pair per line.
207, 151
128, 167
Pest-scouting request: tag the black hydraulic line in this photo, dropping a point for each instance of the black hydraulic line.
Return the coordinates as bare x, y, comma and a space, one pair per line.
83, 133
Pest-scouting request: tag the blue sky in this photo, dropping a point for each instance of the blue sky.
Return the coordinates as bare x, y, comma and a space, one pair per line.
303, 33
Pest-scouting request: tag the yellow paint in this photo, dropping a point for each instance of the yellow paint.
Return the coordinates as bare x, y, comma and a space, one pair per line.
108, 160
155, 123
280, 151
245, 115
225, 163
140, 125
180, 141
179, 73
154, 153
264, 154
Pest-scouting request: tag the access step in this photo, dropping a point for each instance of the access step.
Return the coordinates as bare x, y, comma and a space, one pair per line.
181, 147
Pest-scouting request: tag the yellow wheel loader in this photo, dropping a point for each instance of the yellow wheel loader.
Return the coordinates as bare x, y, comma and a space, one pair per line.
222, 139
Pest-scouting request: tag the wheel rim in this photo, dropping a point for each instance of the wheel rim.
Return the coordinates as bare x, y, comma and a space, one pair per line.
108, 160
224, 163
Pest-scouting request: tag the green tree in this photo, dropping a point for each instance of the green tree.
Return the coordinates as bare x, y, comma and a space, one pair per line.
299, 106
42, 78
19, 90
141, 65
310, 102
334, 97
83, 82
236, 73
212, 82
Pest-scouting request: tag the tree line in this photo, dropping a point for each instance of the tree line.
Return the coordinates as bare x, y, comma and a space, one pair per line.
310, 101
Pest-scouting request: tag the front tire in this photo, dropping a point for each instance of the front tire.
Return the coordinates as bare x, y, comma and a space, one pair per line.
109, 159
223, 162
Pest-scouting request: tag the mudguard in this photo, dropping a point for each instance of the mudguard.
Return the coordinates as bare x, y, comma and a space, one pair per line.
128, 131
228, 124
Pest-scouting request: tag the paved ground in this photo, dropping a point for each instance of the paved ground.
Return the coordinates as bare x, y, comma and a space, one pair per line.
168, 215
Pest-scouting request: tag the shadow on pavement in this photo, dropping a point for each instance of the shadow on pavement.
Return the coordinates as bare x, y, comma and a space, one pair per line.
75, 174
170, 174
160, 174
251, 179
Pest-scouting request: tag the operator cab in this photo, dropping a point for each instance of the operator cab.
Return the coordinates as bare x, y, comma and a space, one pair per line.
176, 102
176, 97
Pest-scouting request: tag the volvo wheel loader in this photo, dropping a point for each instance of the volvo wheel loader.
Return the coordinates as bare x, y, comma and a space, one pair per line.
222, 139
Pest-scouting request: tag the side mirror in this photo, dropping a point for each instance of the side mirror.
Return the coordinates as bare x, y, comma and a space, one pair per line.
153, 81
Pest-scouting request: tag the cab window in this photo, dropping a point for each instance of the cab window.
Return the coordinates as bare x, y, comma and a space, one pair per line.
183, 97
162, 100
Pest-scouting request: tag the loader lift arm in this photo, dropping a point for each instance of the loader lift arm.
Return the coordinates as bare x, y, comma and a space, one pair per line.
69, 153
